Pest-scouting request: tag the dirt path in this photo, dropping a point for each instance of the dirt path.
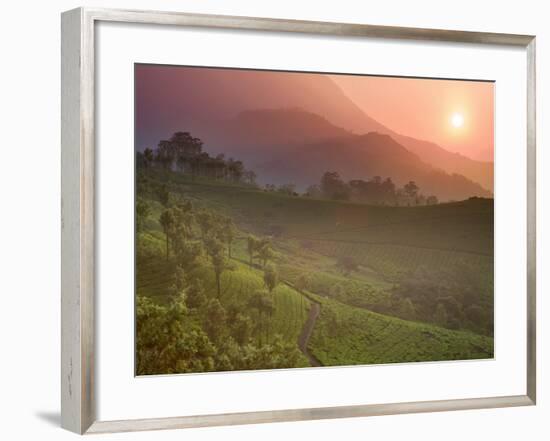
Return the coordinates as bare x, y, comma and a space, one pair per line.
307, 330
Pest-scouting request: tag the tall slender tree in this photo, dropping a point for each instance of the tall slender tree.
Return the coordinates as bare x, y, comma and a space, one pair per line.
168, 223
271, 277
215, 250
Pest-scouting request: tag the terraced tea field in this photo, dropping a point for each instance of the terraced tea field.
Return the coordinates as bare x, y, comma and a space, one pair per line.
347, 335
420, 258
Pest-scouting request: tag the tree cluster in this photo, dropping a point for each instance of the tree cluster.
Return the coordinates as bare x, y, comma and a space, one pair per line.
449, 299
259, 249
377, 191
184, 153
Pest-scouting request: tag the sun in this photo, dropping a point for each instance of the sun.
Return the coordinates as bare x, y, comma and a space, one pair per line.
457, 120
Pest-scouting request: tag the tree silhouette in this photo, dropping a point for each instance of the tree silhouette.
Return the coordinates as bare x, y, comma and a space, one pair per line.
194, 294
411, 190
143, 210
163, 195
333, 187
215, 248
206, 223
242, 328
215, 320
271, 277
432, 200
227, 232
168, 223
251, 246
148, 157
263, 304
264, 252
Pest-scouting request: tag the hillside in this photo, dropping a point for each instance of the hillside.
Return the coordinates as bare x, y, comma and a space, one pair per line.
462, 226
362, 316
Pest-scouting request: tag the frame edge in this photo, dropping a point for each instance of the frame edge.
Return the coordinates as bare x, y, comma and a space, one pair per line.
77, 222
531, 222
293, 415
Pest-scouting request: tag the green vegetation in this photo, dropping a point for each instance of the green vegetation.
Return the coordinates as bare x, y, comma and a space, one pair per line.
198, 310
227, 272
347, 335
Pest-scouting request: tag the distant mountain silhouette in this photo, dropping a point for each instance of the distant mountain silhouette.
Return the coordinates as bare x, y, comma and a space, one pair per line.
296, 146
279, 127
212, 102
189, 97
478, 171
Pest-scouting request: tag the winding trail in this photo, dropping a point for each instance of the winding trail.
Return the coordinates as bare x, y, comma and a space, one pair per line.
307, 330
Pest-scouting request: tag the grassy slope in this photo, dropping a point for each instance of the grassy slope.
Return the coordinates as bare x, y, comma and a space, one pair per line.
462, 226
348, 335
404, 239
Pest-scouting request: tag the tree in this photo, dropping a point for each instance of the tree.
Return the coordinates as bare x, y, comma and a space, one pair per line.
165, 154
206, 223
251, 246
263, 303
180, 282
242, 328
264, 252
303, 283
187, 252
432, 200
288, 189
163, 195
184, 219
333, 187
440, 316
250, 177
167, 343
277, 354
168, 223
194, 295
271, 277
227, 232
215, 320
215, 249
143, 210
148, 157
313, 191
411, 190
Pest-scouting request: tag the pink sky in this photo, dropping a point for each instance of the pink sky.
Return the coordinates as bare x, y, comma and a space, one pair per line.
423, 109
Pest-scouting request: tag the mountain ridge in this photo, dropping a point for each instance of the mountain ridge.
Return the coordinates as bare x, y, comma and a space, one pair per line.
285, 146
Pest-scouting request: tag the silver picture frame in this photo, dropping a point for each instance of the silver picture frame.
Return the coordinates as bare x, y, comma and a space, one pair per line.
78, 396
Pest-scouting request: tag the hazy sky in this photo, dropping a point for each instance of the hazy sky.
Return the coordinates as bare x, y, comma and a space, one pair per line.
425, 109
170, 98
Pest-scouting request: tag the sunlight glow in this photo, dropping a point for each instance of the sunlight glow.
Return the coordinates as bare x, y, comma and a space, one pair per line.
457, 120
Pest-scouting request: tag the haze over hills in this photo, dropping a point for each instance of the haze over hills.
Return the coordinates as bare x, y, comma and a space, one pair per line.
298, 155
454, 163
273, 116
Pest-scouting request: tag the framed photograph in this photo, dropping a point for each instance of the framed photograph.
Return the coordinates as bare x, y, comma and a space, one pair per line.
304, 220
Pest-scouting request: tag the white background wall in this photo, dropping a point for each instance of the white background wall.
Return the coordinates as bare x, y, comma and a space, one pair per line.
30, 222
